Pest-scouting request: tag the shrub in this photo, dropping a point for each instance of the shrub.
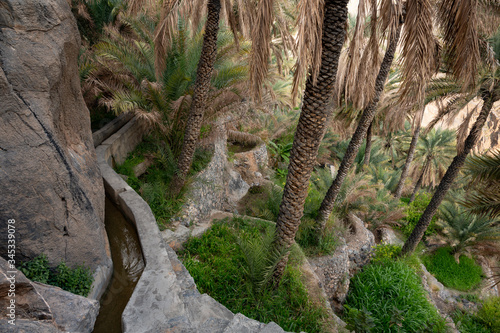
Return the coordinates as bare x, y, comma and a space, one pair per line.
391, 297
489, 314
413, 213
77, 280
219, 268
464, 275
466, 232
385, 252
36, 269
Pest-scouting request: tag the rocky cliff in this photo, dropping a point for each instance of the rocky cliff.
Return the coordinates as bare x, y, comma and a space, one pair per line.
50, 182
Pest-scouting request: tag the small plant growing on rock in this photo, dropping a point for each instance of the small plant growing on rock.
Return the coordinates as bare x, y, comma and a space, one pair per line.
37, 269
77, 280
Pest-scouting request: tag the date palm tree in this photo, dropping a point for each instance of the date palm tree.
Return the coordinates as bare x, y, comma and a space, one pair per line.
201, 89
314, 114
358, 136
460, 25
489, 93
485, 170
434, 153
260, 18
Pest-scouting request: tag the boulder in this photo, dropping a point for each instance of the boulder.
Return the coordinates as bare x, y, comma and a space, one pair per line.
360, 242
388, 236
42, 308
71, 312
51, 183
217, 187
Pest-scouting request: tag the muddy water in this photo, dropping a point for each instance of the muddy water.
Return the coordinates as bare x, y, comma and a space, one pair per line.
128, 266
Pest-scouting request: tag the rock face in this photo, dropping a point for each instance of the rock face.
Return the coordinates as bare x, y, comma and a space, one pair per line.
217, 187
353, 252
490, 138
51, 184
250, 164
42, 308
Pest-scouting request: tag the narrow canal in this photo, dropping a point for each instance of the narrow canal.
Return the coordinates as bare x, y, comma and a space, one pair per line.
128, 266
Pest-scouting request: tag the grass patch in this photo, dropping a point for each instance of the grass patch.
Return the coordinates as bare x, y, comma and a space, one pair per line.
77, 280
413, 213
154, 184
389, 297
463, 276
313, 246
219, 267
489, 313
469, 323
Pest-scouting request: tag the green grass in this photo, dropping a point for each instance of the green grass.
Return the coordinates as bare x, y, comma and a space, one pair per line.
77, 280
413, 213
463, 276
218, 266
153, 186
489, 313
307, 238
469, 323
388, 297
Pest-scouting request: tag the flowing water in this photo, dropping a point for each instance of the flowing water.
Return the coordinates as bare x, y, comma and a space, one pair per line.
128, 265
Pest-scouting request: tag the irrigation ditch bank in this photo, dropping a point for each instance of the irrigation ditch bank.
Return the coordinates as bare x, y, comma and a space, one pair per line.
165, 297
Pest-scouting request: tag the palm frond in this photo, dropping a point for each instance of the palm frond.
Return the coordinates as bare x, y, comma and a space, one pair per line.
418, 52
310, 27
458, 20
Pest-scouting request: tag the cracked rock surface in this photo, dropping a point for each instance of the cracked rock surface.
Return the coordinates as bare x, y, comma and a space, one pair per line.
51, 183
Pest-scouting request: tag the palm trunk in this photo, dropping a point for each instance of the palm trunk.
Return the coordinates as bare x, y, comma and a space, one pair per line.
450, 175
353, 147
310, 129
201, 89
420, 179
409, 159
368, 147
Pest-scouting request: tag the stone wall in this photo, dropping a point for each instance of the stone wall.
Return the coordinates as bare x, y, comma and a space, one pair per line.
165, 298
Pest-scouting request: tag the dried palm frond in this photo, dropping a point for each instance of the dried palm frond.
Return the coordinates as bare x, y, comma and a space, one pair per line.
261, 42
418, 52
310, 27
136, 6
350, 59
458, 20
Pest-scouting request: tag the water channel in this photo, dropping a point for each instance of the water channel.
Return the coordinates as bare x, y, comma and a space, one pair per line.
128, 265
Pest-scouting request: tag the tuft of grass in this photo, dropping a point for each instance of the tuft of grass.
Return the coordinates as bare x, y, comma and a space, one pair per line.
77, 280
389, 297
469, 323
220, 268
313, 246
489, 313
464, 275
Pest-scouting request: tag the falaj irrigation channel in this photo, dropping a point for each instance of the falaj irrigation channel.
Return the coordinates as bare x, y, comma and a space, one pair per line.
128, 266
